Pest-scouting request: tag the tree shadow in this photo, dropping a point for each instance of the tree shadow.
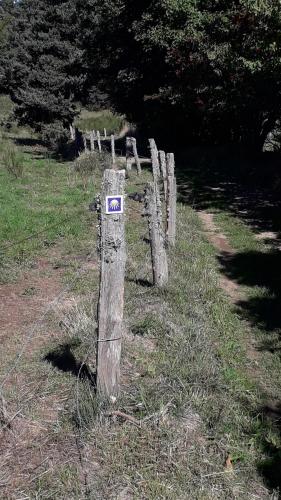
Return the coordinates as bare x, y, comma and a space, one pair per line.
141, 282
246, 184
263, 270
64, 360
270, 467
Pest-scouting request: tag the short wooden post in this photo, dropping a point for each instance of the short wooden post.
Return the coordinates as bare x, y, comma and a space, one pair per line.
92, 140
99, 141
136, 156
105, 134
85, 143
113, 149
111, 297
155, 159
128, 163
171, 200
78, 141
163, 166
72, 132
156, 235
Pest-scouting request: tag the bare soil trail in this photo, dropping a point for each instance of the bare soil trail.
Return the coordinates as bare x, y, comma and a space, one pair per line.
30, 446
237, 294
220, 242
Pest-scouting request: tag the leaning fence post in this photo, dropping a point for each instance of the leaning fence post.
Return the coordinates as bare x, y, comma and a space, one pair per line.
112, 276
163, 166
156, 235
113, 148
171, 200
99, 141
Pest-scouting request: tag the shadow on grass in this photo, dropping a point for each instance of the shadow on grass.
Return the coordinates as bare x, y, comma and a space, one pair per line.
64, 360
263, 270
270, 467
140, 282
245, 185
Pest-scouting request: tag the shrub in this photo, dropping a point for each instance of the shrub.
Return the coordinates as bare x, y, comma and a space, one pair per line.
13, 161
88, 163
55, 135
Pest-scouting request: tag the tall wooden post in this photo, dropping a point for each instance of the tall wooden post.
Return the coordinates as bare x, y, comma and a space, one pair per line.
113, 149
92, 140
99, 141
128, 163
85, 143
105, 134
111, 298
163, 166
155, 159
136, 156
156, 235
171, 200
72, 132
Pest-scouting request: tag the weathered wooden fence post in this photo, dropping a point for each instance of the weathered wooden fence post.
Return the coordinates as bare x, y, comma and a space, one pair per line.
136, 156
78, 141
163, 166
72, 132
85, 143
171, 200
156, 235
105, 133
99, 141
128, 163
113, 149
155, 159
92, 140
112, 276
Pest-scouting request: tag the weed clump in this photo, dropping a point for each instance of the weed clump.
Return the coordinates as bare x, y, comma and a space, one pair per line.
13, 161
89, 163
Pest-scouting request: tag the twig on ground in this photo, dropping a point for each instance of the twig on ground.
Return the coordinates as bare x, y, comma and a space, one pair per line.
118, 413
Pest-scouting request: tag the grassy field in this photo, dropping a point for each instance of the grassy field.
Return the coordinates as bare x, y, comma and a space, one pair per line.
187, 376
100, 120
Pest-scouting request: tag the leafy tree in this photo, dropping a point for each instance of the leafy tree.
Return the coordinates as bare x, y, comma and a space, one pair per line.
6, 13
209, 69
45, 68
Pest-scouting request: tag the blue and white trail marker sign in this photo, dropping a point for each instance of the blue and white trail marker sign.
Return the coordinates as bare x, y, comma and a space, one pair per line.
115, 204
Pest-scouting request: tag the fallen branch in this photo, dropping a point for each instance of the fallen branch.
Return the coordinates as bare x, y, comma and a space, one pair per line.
120, 414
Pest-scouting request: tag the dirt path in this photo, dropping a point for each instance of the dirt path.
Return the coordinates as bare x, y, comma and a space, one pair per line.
220, 242
30, 446
236, 294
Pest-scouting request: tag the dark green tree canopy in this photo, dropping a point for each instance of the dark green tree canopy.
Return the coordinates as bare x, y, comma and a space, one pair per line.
209, 70
210, 67
6, 16
45, 68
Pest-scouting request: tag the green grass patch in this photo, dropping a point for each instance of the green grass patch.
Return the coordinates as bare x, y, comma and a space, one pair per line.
100, 120
47, 205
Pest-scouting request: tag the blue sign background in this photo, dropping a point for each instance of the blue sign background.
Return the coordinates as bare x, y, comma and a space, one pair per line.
114, 204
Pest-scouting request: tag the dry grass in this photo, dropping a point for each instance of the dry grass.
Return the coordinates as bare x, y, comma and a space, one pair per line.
196, 430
